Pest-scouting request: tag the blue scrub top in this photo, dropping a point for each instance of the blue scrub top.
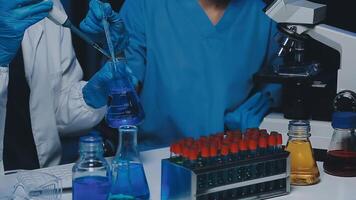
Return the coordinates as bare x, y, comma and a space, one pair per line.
193, 73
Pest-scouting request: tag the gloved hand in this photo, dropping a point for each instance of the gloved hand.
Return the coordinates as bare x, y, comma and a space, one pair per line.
250, 114
96, 91
15, 17
92, 24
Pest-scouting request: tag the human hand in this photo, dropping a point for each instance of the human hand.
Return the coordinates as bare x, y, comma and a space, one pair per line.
15, 17
250, 114
92, 24
96, 92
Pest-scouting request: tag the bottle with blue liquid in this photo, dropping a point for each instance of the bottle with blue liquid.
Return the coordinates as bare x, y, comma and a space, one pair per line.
91, 174
128, 176
125, 107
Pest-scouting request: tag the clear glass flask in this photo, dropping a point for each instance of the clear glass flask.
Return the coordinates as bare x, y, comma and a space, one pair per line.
91, 174
125, 107
341, 155
128, 176
304, 170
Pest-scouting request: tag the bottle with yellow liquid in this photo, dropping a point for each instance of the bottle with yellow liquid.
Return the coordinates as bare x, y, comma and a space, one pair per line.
304, 170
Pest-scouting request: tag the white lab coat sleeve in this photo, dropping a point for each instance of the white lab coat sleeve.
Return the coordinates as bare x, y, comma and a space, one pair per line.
4, 80
73, 115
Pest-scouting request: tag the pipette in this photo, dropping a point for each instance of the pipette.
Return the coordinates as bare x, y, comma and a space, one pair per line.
61, 19
106, 26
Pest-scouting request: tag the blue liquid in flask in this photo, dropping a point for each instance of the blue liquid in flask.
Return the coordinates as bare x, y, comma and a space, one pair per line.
128, 175
130, 183
91, 188
125, 107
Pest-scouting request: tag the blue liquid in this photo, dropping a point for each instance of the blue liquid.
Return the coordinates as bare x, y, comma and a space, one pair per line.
124, 109
130, 181
91, 188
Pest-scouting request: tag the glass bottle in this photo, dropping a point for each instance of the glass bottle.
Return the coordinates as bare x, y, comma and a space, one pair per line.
128, 176
341, 155
91, 174
125, 107
304, 170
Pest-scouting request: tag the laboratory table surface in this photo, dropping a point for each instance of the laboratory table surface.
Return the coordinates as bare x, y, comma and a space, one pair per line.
330, 187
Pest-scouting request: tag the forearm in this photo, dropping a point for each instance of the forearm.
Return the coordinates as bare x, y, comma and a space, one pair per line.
73, 114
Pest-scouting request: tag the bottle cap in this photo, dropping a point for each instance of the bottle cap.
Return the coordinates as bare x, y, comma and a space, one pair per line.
203, 139
234, 148
193, 154
279, 139
299, 128
252, 144
230, 134
205, 151
185, 152
171, 148
264, 131
344, 120
274, 133
178, 149
262, 142
213, 151
225, 150
271, 140
218, 143
238, 134
243, 145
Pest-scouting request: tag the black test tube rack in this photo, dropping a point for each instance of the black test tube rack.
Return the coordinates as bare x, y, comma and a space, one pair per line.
262, 177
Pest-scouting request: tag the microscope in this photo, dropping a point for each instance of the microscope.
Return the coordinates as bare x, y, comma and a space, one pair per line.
309, 88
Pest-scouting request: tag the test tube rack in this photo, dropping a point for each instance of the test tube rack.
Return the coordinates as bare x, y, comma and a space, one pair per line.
262, 177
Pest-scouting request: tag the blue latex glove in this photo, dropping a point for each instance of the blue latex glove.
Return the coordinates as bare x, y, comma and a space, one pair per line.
251, 113
92, 24
97, 90
15, 17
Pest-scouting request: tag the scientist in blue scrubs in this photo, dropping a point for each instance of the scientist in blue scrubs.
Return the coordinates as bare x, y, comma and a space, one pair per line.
194, 60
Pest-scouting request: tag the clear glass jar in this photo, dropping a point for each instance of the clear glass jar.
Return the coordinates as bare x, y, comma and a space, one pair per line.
91, 173
304, 170
341, 155
128, 176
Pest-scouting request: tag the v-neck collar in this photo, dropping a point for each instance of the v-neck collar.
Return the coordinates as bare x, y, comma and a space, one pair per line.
201, 20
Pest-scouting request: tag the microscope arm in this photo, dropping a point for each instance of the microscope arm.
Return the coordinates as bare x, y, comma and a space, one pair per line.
345, 43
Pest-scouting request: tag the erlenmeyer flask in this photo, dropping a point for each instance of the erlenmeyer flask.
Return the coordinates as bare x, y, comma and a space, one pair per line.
128, 176
304, 170
125, 107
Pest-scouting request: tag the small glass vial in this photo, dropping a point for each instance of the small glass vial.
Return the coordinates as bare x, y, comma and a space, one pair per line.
341, 155
304, 170
91, 174
128, 176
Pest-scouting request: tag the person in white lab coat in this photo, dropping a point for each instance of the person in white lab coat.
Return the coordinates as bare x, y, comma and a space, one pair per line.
56, 104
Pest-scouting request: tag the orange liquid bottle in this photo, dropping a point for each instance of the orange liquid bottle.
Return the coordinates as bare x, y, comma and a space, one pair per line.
304, 170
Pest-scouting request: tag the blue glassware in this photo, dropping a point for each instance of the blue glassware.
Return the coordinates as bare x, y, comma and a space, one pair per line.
128, 176
125, 107
91, 174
